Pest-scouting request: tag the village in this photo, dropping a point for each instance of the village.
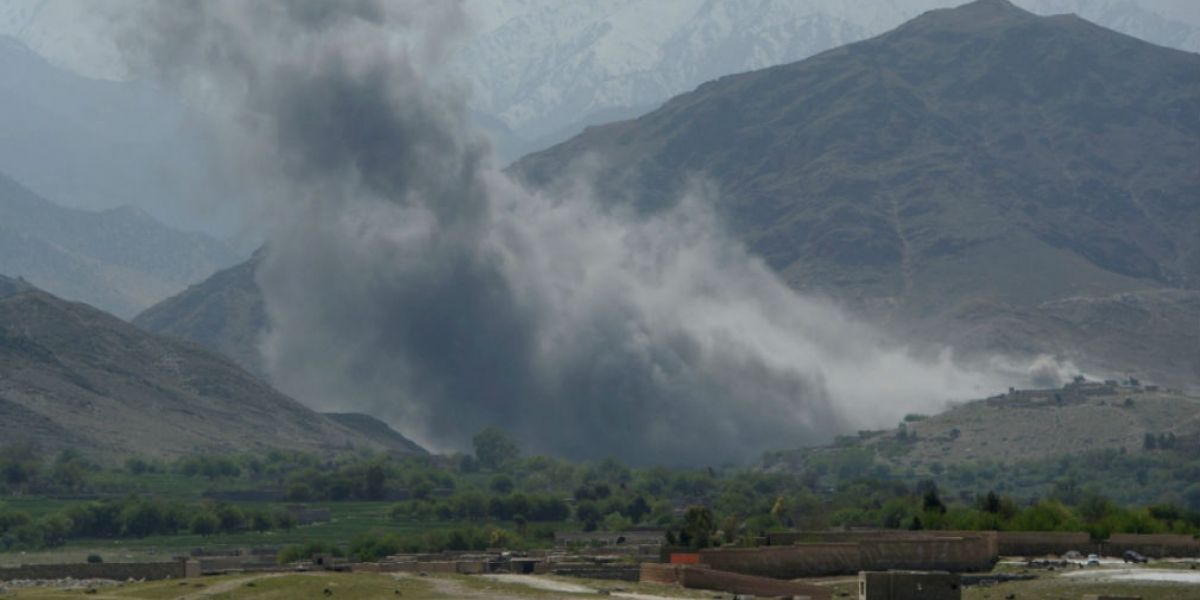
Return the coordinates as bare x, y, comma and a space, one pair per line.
813, 565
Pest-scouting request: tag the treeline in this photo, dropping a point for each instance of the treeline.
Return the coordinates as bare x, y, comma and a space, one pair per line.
375, 545
532, 496
133, 518
863, 504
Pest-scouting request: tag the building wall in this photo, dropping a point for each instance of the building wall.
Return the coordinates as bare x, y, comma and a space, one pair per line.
932, 554
786, 562
976, 553
1163, 545
117, 571
907, 585
659, 573
1043, 543
700, 578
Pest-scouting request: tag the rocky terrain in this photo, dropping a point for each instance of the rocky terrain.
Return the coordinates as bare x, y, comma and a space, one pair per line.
73, 376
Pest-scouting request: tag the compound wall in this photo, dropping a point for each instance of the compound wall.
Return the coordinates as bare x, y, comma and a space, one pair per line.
1161, 545
786, 562
1044, 543
116, 571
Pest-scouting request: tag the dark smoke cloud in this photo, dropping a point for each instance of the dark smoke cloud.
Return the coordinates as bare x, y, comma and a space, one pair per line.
409, 278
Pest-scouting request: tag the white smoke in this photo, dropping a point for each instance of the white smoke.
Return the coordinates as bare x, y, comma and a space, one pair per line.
408, 277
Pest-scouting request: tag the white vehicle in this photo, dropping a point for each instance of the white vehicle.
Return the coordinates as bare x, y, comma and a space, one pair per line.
1093, 559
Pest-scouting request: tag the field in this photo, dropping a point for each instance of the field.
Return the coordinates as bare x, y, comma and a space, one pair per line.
348, 519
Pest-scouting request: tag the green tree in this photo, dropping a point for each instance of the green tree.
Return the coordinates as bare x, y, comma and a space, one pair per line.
375, 478
501, 484
698, 526
494, 448
204, 523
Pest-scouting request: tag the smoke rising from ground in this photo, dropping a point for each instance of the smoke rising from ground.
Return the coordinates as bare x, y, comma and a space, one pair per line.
409, 278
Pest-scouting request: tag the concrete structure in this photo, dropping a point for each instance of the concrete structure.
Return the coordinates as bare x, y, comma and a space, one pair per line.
925, 552
909, 585
118, 571
702, 578
1045, 543
1156, 545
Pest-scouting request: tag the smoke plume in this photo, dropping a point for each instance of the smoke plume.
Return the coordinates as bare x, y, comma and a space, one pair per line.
410, 278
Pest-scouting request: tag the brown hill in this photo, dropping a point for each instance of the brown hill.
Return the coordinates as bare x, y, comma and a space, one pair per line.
73, 376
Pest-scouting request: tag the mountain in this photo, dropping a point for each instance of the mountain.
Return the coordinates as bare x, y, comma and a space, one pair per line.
374, 430
980, 177
543, 70
73, 376
223, 313
974, 165
96, 145
121, 259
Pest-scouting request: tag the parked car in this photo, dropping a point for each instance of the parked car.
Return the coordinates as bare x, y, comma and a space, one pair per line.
1093, 559
1130, 556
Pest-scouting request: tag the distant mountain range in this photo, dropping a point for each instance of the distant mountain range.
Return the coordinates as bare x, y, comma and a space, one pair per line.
73, 376
120, 260
543, 70
97, 145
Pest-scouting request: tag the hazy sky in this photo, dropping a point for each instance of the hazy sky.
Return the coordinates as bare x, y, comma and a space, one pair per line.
75, 33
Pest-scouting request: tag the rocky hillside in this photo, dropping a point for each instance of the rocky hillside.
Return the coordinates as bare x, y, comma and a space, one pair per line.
974, 167
223, 313
1123, 439
120, 260
73, 376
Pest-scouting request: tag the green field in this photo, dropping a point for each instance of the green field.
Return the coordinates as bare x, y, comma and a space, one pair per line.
348, 519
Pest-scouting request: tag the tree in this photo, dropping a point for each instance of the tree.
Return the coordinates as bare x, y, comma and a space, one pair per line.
375, 480
587, 513
637, 509
698, 526
501, 484
205, 523
494, 448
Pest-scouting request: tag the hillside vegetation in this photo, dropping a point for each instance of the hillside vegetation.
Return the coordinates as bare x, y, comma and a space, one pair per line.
1133, 443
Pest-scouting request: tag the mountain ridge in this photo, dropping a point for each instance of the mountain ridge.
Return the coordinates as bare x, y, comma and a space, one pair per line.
120, 259
978, 153
72, 376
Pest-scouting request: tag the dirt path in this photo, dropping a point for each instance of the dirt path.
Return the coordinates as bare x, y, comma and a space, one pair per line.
455, 589
227, 586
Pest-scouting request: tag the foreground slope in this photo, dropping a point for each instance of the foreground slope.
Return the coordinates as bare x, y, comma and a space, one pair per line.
963, 169
73, 376
120, 260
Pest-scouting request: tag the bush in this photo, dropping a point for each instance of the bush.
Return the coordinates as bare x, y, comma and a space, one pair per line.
204, 523
95, 558
299, 552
